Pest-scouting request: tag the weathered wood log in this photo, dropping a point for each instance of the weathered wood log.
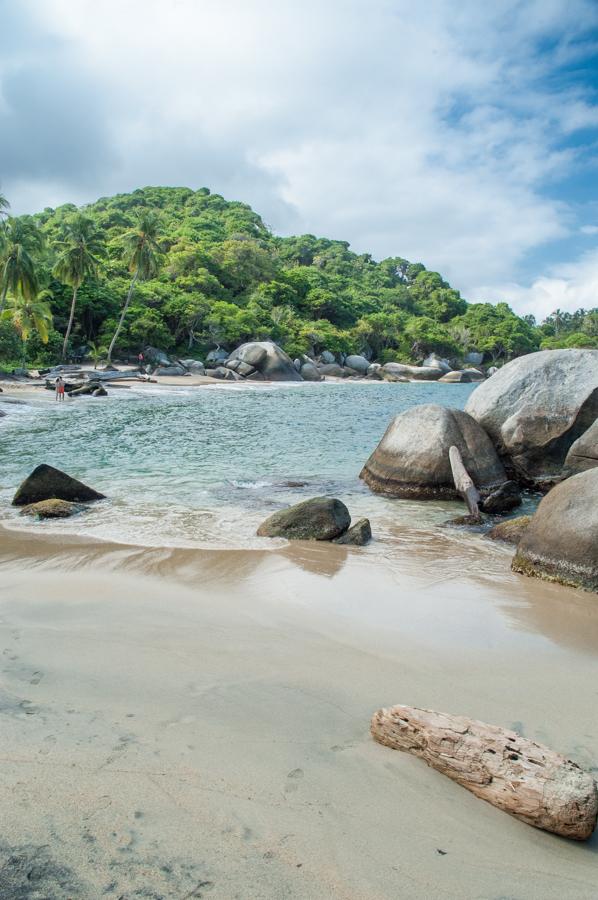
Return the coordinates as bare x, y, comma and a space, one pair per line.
464, 483
519, 776
88, 388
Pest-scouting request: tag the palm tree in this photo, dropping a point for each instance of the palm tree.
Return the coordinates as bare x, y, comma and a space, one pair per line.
4, 205
77, 260
29, 314
142, 255
20, 239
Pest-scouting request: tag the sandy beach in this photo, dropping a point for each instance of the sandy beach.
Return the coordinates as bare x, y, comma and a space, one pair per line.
183, 723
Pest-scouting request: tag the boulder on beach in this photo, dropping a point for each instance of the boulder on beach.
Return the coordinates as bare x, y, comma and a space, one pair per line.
170, 370
561, 542
47, 483
195, 366
241, 368
358, 534
535, 407
51, 509
310, 372
583, 454
384, 374
457, 377
327, 358
332, 370
99, 391
358, 363
317, 519
416, 373
412, 459
437, 362
511, 530
268, 359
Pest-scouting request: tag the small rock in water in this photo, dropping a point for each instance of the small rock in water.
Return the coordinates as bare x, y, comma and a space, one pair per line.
505, 498
511, 531
358, 535
48, 483
318, 519
467, 521
51, 509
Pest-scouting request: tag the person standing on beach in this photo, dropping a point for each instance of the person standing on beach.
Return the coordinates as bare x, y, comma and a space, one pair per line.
140, 361
59, 389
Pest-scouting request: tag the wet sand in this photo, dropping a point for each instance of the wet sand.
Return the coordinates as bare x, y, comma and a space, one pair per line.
187, 723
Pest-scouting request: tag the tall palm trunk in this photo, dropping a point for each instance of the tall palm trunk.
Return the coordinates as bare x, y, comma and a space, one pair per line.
3, 298
70, 324
122, 315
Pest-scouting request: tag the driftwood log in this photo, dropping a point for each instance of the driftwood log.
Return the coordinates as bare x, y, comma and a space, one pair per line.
464, 483
523, 778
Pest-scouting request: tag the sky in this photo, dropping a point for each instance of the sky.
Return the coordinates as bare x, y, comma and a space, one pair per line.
463, 135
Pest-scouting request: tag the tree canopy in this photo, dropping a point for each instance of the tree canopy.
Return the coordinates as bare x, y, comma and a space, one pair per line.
187, 271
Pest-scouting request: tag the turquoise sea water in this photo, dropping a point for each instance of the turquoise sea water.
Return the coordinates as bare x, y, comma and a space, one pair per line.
197, 466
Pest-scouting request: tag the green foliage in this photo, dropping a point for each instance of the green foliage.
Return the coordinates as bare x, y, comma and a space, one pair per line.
187, 270
20, 241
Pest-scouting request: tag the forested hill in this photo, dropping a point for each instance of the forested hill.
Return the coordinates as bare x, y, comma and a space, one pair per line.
222, 278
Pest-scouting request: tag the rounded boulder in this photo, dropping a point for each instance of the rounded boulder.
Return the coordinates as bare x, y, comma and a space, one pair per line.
412, 459
535, 407
561, 542
317, 519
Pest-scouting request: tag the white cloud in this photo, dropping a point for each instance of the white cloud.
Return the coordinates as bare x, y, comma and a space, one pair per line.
568, 287
424, 130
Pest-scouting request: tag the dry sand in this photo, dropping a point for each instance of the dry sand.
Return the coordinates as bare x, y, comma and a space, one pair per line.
180, 723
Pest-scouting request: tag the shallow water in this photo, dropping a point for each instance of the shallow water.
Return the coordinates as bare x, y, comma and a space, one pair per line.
203, 466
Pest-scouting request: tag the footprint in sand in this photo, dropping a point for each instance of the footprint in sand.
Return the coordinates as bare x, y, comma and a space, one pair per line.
36, 678
292, 780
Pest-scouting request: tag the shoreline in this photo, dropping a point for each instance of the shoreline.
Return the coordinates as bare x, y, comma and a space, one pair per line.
179, 718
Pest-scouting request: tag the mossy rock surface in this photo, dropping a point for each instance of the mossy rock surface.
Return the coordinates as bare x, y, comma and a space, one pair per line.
48, 483
511, 531
358, 535
51, 509
318, 519
561, 542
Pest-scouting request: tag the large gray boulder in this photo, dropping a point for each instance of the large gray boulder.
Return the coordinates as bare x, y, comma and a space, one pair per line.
583, 454
416, 373
332, 370
457, 377
318, 519
412, 459
535, 407
195, 366
561, 541
48, 483
327, 358
359, 363
310, 372
437, 362
268, 359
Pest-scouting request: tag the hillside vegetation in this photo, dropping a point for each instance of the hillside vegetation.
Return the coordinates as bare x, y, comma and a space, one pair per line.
219, 277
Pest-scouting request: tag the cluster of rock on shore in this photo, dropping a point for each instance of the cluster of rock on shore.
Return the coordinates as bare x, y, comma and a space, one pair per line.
533, 425
266, 361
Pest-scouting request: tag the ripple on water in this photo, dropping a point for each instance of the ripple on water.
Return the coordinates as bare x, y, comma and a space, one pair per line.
204, 466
